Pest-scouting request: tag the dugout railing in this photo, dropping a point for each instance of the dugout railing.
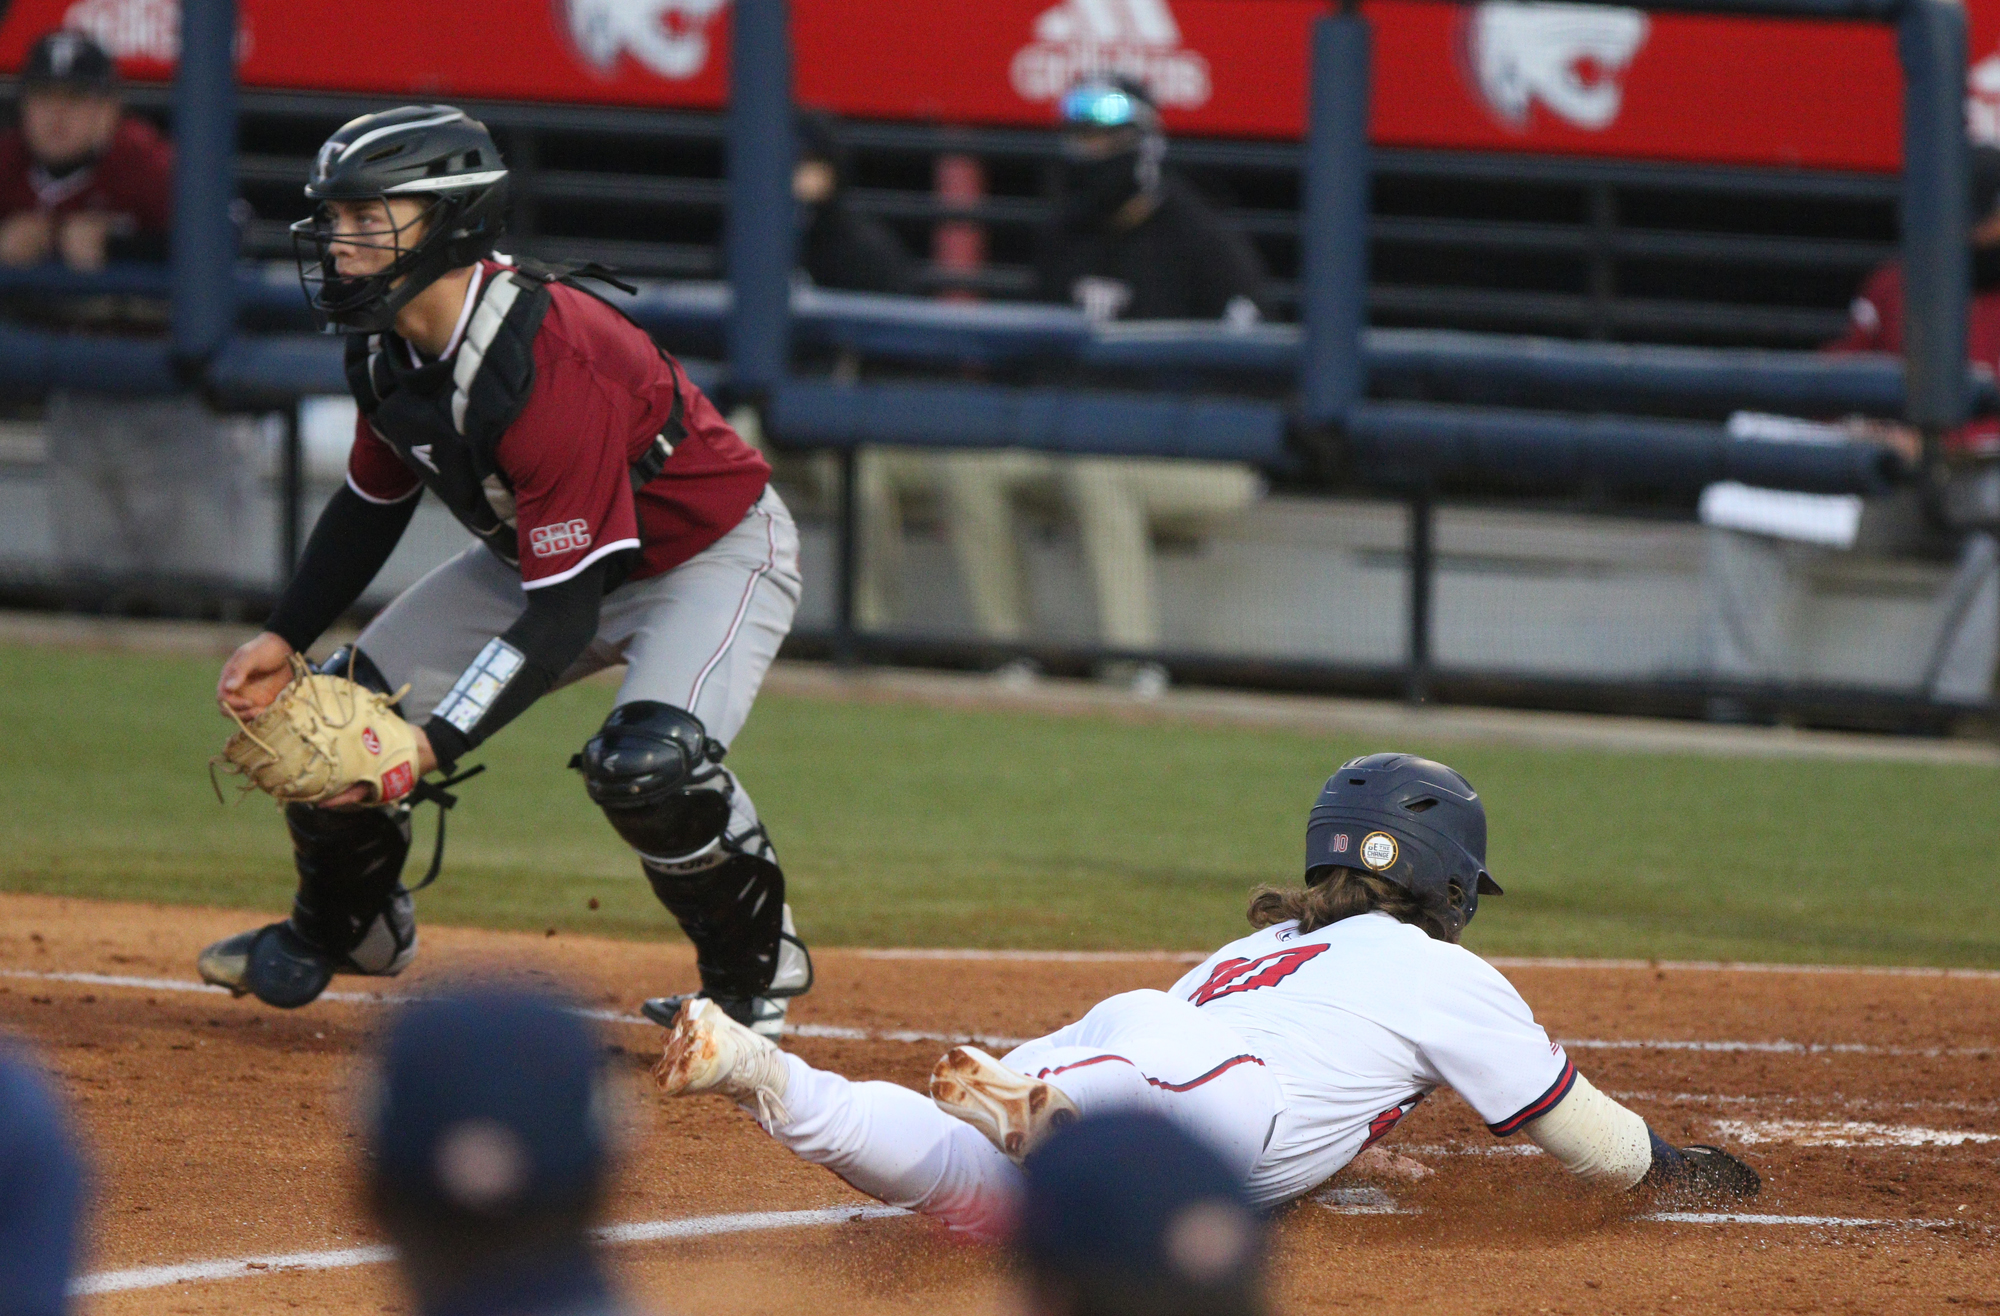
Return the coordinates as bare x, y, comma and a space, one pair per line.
1319, 420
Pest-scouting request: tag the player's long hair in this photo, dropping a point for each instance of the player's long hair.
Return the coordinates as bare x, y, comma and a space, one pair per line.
1342, 893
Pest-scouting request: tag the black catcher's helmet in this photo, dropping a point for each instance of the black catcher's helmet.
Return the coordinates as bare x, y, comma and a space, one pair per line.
429, 152
1414, 821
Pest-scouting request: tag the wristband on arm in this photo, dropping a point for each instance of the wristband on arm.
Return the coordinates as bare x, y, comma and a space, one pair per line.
1596, 1138
519, 666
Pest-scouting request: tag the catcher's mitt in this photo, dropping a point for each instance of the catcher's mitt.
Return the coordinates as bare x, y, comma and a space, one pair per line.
321, 735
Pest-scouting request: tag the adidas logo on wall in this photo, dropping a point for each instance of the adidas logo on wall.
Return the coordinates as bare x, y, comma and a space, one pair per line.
1136, 39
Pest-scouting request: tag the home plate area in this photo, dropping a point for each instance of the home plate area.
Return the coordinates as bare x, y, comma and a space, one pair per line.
221, 1134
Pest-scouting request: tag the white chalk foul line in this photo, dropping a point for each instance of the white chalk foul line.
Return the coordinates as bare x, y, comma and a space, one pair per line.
1498, 961
1825, 1221
838, 1032
1846, 1133
184, 985
651, 1231
1032, 956
1374, 1201
194, 1272
1740, 966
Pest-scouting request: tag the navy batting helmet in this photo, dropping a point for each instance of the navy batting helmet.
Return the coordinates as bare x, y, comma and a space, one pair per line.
1412, 820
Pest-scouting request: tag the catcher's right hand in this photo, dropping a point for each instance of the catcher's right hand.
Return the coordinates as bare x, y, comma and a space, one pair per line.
253, 676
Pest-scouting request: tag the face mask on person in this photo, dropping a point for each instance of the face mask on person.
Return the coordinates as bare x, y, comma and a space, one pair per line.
1093, 190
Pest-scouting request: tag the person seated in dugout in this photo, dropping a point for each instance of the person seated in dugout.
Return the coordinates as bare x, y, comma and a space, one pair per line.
1759, 568
81, 182
840, 247
1875, 317
1280, 1051
1131, 240
138, 487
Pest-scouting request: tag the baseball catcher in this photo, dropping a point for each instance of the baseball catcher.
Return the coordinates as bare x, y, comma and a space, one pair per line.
618, 520
1290, 1051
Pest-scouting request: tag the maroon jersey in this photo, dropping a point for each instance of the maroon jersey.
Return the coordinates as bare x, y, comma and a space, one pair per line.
134, 179
1875, 324
560, 495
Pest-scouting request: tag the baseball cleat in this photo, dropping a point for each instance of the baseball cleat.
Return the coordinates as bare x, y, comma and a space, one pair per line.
708, 1051
762, 1015
227, 963
1015, 1112
272, 963
281, 968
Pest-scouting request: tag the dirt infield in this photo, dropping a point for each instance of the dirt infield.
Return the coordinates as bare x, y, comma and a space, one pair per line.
220, 1131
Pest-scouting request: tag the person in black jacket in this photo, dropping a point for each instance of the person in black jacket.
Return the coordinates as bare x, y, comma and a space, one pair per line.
1131, 240
838, 246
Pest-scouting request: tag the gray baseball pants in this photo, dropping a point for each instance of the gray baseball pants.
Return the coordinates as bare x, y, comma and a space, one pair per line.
699, 637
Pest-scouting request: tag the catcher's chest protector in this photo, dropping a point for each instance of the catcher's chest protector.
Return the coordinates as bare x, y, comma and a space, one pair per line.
445, 419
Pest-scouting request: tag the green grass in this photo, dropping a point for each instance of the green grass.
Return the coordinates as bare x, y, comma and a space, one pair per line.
916, 826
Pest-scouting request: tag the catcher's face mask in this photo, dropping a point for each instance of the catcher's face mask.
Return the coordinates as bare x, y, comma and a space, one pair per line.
353, 254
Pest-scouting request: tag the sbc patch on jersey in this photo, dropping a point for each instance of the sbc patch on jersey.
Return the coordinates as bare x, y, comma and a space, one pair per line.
562, 537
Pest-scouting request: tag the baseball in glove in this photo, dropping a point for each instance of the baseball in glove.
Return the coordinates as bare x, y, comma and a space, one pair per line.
321, 735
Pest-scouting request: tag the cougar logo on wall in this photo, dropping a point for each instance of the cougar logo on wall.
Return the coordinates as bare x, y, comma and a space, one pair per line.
1982, 101
1122, 38
1568, 57
667, 37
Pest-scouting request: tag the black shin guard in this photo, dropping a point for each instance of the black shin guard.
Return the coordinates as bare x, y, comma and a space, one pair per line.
351, 904
734, 914
660, 781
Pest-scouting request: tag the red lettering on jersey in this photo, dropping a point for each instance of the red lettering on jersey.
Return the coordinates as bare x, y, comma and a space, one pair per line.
1232, 976
396, 782
370, 741
562, 537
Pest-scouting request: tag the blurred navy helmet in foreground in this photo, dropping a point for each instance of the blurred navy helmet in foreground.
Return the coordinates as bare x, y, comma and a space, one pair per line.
1126, 1213
491, 1103
41, 1192
490, 1131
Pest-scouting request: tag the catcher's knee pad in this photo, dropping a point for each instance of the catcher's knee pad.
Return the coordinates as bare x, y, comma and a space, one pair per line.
659, 778
351, 904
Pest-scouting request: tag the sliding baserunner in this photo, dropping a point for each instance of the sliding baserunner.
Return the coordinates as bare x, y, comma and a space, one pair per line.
1290, 1050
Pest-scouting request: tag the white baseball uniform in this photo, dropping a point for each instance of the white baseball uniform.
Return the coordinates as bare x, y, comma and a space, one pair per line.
1288, 1053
